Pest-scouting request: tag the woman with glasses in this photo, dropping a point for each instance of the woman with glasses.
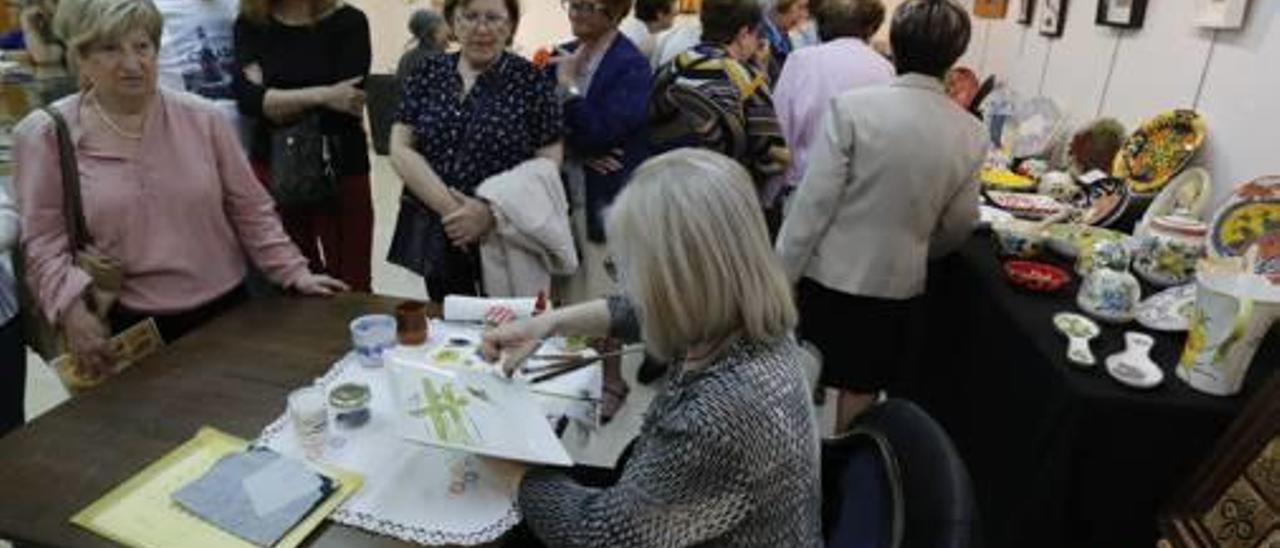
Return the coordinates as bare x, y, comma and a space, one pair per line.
465, 117
603, 83
298, 59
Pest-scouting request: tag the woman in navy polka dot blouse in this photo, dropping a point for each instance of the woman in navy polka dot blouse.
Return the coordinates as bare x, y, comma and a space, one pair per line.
464, 117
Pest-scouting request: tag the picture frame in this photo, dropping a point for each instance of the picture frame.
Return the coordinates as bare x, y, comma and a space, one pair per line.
688, 6
1026, 11
1052, 17
1221, 14
1233, 499
1125, 14
990, 9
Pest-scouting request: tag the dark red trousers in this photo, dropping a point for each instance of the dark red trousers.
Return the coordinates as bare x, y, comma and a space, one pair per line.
336, 238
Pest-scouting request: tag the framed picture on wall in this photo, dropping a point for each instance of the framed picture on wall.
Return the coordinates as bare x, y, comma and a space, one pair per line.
990, 9
1053, 17
1026, 11
1221, 14
688, 6
1127, 14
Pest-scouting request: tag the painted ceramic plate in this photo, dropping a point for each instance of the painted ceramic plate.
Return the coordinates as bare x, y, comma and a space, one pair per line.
1034, 128
1003, 179
988, 216
1095, 146
1028, 206
1103, 202
1037, 277
1076, 325
1158, 150
1070, 239
1251, 216
1168, 310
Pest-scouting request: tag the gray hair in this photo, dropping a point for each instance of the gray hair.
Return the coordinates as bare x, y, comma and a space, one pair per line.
81, 24
693, 253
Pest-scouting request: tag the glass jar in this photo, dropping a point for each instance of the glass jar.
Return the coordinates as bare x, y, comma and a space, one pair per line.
350, 404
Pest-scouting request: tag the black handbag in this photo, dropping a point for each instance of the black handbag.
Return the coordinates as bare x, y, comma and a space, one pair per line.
302, 163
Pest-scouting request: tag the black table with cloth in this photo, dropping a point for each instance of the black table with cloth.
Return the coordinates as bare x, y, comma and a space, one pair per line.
1060, 456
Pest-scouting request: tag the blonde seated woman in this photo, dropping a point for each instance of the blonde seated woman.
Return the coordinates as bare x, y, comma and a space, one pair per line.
728, 453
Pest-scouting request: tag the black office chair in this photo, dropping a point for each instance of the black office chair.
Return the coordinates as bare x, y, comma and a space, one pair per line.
896, 481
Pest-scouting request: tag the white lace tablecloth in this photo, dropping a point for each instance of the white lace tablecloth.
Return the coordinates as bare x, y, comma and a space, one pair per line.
414, 492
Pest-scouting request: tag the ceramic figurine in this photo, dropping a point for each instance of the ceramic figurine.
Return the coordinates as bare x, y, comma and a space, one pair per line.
1079, 330
1134, 367
1111, 254
1167, 254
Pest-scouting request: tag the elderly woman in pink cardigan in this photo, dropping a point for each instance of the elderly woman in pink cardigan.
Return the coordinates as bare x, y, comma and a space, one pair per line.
167, 191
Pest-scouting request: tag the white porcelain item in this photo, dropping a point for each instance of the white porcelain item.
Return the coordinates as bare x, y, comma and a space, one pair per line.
1187, 195
371, 336
1079, 330
1166, 255
1169, 310
1228, 327
1133, 367
1109, 295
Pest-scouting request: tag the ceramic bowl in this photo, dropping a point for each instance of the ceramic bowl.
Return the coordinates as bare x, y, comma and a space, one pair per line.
1102, 202
1036, 277
1017, 239
1158, 150
1071, 239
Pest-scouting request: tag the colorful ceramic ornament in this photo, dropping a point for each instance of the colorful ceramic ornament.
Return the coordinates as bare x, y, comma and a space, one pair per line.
1003, 179
1070, 239
1158, 150
1079, 330
1018, 239
1103, 201
1133, 367
1096, 145
1027, 206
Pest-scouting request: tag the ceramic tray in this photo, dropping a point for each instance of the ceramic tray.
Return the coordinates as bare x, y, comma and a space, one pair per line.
1069, 239
1158, 150
1169, 310
1037, 277
1003, 179
1250, 216
1027, 206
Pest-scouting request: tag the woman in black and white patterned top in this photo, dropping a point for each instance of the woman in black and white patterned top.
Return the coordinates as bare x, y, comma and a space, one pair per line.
728, 454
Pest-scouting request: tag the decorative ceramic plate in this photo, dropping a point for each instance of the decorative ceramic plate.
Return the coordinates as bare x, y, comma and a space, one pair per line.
1168, 310
1158, 150
1003, 179
1103, 201
1095, 146
1070, 239
1037, 277
1029, 206
1251, 216
1034, 128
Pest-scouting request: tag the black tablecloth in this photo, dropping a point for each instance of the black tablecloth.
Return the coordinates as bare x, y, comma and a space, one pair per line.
1060, 456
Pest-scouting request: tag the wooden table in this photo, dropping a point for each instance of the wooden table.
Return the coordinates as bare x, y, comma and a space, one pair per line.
233, 374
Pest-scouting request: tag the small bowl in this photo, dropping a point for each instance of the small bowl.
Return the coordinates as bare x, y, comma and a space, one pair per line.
1036, 277
1018, 239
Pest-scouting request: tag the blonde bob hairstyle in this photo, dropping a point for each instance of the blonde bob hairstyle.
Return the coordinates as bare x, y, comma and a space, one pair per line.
82, 24
692, 251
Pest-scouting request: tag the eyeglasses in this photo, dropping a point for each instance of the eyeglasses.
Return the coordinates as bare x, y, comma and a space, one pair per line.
473, 19
583, 6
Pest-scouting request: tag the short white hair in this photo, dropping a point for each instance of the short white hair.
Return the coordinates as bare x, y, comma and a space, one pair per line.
690, 243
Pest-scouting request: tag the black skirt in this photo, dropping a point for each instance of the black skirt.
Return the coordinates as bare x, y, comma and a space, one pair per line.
866, 342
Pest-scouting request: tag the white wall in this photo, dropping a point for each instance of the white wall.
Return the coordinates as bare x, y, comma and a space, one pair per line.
1231, 76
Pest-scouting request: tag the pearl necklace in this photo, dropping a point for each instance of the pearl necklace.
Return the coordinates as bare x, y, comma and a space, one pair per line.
97, 107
